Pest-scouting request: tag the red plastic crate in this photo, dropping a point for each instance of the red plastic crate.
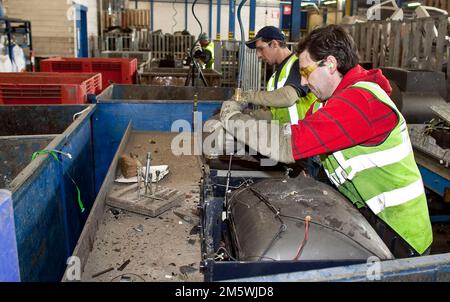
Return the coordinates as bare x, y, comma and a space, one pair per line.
113, 70
92, 81
42, 88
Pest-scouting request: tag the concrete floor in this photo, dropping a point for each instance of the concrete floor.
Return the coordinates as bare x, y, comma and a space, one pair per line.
164, 248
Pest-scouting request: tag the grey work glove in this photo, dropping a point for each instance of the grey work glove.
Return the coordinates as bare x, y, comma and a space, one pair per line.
230, 108
283, 97
216, 141
261, 114
267, 137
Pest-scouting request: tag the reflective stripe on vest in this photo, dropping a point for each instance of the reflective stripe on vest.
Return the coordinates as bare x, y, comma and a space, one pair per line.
384, 177
348, 168
284, 74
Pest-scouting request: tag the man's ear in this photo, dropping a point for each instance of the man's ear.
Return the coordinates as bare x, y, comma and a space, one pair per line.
331, 62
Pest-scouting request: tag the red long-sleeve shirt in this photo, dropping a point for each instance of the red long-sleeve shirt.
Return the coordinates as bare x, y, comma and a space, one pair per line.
352, 116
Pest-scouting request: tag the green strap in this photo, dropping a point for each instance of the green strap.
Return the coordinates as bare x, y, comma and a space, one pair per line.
55, 156
52, 153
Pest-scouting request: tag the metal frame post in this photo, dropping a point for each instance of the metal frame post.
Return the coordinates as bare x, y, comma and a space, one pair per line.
218, 20
296, 18
151, 15
231, 20
251, 28
210, 19
185, 14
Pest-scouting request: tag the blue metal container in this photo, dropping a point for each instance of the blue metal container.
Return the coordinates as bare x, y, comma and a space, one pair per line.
9, 262
44, 195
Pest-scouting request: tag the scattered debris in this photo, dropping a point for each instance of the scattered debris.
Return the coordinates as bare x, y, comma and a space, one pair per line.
325, 192
115, 213
128, 166
196, 212
168, 276
152, 142
139, 228
292, 193
187, 269
172, 264
180, 222
103, 272
189, 218
191, 241
195, 230
130, 277
122, 267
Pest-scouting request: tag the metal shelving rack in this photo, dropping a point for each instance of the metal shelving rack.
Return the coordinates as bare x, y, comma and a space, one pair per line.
18, 32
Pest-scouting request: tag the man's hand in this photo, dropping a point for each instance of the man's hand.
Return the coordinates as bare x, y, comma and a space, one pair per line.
242, 96
229, 109
283, 97
267, 137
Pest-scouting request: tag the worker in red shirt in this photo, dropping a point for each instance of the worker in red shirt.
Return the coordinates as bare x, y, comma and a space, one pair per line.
361, 138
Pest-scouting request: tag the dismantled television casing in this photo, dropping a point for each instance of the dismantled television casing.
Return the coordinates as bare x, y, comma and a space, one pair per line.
337, 231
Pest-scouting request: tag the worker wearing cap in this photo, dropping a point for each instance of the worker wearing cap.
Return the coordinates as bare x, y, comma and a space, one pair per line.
206, 53
361, 137
287, 99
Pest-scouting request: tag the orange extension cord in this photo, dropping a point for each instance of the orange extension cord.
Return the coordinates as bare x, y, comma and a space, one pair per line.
305, 239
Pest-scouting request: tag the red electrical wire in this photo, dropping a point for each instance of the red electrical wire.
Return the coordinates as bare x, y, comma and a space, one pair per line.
305, 239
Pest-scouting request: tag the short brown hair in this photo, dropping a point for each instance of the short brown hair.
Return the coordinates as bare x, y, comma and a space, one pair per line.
281, 43
331, 40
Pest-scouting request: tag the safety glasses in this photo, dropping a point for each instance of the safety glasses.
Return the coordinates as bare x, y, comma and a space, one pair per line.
306, 71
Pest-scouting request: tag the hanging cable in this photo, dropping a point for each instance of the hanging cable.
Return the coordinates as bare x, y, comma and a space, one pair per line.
305, 238
242, 47
201, 28
174, 15
332, 229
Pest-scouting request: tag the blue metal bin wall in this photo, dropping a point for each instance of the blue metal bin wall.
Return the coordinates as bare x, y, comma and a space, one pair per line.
9, 263
16, 152
149, 108
47, 217
142, 93
111, 120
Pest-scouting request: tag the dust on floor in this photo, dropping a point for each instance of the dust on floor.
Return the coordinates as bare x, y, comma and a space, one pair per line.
164, 248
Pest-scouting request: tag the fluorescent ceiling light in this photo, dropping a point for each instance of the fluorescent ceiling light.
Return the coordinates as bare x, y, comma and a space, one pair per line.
329, 2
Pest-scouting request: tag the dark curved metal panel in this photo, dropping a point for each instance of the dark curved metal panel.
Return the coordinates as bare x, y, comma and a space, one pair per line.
337, 230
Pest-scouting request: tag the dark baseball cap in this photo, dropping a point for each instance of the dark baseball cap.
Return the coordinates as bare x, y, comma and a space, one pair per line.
267, 33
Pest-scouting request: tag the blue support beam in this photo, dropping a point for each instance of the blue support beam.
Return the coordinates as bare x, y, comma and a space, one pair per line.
281, 16
295, 19
151, 15
218, 20
251, 29
210, 19
232, 19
